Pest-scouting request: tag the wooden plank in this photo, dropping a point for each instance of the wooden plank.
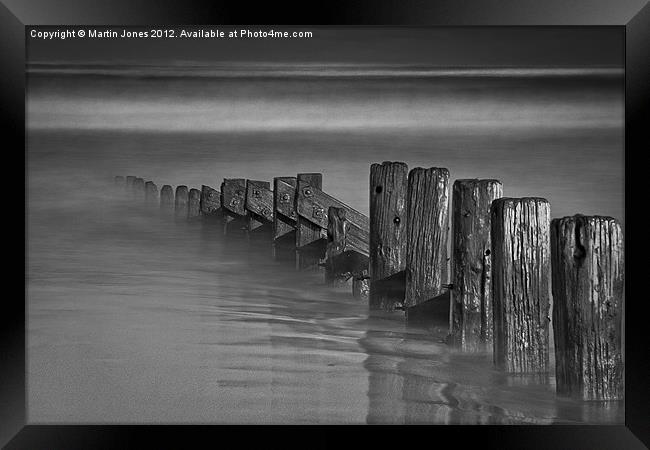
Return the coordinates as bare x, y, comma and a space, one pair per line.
431, 312
521, 272
210, 202
387, 229
151, 194
138, 189
471, 299
259, 203
312, 205
194, 203
587, 283
167, 198
427, 231
309, 256
181, 199
233, 196
284, 206
347, 248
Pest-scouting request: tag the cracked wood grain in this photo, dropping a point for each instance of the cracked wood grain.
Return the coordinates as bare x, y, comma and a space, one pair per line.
588, 277
471, 299
521, 276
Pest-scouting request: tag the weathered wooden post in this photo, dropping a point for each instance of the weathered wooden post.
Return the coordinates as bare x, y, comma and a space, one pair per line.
151, 193
588, 276
194, 203
306, 231
166, 198
471, 306
336, 242
284, 218
210, 202
427, 230
181, 202
259, 205
347, 251
388, 186
129, 185
233, 201
138, 189
521, 276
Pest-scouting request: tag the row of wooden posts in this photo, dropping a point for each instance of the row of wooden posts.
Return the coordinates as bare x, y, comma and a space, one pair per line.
506, 257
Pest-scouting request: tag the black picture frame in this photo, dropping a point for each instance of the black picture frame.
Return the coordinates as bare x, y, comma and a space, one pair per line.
632, 15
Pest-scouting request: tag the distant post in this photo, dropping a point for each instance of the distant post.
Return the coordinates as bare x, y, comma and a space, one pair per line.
166, 198
306, 231
129, 185
521, 277
388, 186
194, 203
233, 201
471, 299
588, 277
210, 202
151, 193
427, 229
138, 189
181, 202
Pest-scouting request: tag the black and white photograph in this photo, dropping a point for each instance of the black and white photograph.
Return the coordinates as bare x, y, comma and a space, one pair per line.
364, 224
325, 225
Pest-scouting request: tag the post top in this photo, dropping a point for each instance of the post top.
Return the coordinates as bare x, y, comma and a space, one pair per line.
439, 170
516, 200
477, 181
585, 218
390, 163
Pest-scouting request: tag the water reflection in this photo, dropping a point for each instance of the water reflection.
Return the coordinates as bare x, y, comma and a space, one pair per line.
414, 378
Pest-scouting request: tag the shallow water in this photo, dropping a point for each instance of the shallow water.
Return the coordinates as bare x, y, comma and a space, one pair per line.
134, 318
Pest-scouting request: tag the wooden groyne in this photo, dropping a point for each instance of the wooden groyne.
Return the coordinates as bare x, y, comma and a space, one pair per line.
482, 263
